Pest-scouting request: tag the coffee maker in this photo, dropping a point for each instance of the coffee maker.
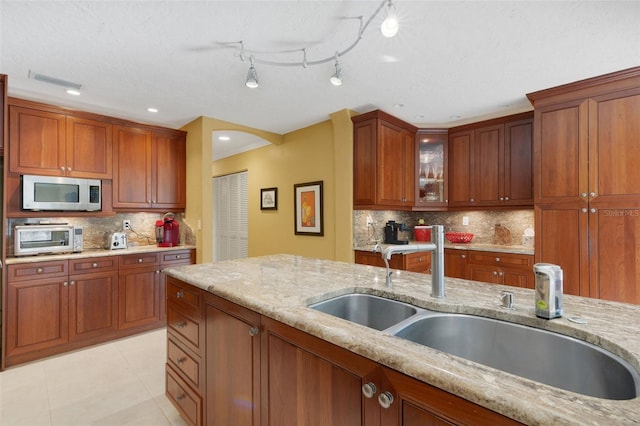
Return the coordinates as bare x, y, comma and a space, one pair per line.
391, 233
168, 231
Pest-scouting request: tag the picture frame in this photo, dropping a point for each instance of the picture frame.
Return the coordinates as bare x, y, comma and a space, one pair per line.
308, 209
269, 199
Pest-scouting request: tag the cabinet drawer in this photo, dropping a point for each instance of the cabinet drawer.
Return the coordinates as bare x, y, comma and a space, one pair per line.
501, 259
96, 264
183, 326
418, 262
183, 398
178, 257
137, 260
187, 296
37, 270
181, 361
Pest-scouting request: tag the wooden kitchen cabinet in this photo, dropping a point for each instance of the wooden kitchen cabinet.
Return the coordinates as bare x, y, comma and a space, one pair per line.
455, 263
586, 198
490, 163
139, 291
383, 162
46, 141
415, 262
169, 259
500, 268
432, 170
150, 169
3, 110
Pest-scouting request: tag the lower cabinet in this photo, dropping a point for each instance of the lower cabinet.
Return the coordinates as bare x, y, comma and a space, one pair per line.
415, 262
491, 267
139, 284
262, 372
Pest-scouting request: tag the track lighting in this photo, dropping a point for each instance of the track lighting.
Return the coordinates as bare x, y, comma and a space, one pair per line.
252, 76
336, 78
389, 27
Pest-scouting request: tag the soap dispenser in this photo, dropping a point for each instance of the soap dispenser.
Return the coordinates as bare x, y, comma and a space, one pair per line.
548, 279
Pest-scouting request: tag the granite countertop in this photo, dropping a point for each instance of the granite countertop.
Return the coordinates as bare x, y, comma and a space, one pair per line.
281, 287
468, 246
93, 253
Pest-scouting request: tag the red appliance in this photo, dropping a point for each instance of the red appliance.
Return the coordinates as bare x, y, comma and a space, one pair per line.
168, 231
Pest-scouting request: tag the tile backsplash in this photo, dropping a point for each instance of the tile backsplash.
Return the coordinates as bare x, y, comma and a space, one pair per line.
502, 227
96, 229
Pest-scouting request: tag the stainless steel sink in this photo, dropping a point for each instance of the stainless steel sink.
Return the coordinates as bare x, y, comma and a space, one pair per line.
539, 355
368, 310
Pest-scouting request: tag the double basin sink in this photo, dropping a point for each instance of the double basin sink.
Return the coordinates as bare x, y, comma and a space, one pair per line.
546, 357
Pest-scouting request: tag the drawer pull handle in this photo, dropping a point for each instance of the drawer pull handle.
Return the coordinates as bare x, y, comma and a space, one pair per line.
253, 331
181, 324
39, 270
180, 397
177, 256
369, 389
181, 360
385, 399
180, 295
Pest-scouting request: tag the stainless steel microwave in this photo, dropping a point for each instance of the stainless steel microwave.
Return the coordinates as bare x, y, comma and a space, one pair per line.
41, 239
48, 193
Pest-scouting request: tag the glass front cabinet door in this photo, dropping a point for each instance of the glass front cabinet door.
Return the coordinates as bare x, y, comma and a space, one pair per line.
431, 169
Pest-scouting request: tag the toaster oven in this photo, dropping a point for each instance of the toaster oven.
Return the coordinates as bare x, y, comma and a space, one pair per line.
45, 239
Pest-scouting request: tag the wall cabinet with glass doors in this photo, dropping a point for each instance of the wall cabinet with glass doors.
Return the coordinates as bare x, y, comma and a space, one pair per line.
431, 169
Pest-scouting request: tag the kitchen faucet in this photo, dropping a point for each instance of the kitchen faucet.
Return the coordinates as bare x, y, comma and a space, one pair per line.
436, 247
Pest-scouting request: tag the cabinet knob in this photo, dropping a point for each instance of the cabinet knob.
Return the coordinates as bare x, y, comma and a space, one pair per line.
369, 389
180, 294
592, 194
62, 169
497, 259
501, 198
139, 260
180, 397
471, 200
506, 198
69, 169
385, 399
39, 270
72, 283
463, 256
94, 265
495, 273
181, 360
584, 210
177, 256
500, 273
66, 283
420, 259
254, 331
592, 210
583, 194
181, 324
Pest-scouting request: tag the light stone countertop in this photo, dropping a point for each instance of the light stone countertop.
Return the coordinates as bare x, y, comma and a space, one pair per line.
468, 246
93, 253
281, 287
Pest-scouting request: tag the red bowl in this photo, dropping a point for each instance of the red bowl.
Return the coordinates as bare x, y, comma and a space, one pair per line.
458, 237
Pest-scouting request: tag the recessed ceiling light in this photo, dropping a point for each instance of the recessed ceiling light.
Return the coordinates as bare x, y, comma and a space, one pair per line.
454, 117
398, 105
419, 116
152, 109
224, 138
73, 92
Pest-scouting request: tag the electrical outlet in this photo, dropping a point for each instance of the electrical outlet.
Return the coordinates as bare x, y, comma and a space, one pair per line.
465, 220
126, 225
369, 221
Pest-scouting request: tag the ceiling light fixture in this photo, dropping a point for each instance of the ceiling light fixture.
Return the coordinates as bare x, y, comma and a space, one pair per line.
389, 27
336, 78
151, 109
252, 76
73, 92
264, 57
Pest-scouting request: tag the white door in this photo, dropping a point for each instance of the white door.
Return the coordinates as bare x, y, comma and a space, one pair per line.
230, 217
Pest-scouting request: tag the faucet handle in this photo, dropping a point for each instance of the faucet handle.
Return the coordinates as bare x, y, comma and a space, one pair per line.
506, 300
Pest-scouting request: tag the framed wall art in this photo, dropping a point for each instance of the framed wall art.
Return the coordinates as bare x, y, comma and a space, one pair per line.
269, 199
308, 213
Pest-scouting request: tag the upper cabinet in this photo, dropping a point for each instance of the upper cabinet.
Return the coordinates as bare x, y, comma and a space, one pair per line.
431, 166
150, 169
587, 200
51, 143
3, 110
383, 162
490, 163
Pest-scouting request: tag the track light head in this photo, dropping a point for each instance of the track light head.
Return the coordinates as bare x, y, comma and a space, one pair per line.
389, 27
252, 77
336, 78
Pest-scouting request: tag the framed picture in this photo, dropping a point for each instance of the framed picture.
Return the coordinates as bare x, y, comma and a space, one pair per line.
269, 199
308, 211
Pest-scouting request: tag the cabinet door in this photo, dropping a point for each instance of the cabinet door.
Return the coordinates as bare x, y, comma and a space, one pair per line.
461, 169
395, 162
36, 142
132, 168
364, 163
307, 381
232, 368
418, 404
488, 164
431, 166
455, 263
485, 274
89, 148
169, 172
93, 301
37, 315
139, 297
518, 163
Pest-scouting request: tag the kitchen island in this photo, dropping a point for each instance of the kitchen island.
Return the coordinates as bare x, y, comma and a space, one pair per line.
280, 287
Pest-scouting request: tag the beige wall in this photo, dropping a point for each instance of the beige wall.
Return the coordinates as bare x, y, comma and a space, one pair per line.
319, 152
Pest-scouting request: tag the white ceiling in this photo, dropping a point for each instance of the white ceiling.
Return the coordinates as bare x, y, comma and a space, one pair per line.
452, 61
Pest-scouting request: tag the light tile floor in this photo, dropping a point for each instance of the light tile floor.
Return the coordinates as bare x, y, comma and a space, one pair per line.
118, 383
